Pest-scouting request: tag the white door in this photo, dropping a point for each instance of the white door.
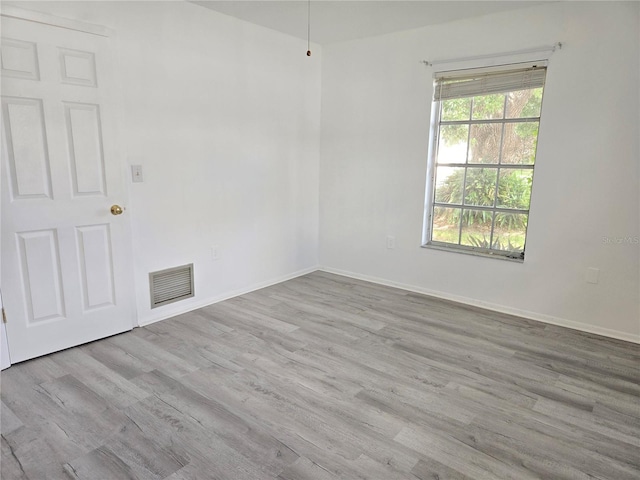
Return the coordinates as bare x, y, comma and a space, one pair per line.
66, 259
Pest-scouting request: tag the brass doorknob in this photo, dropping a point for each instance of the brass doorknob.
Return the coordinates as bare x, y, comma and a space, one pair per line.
116, 210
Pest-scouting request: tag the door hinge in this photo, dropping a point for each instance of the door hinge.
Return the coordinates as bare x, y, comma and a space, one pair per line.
4, 316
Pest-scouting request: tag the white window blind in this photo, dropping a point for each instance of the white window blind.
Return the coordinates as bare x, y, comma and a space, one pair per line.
471, 83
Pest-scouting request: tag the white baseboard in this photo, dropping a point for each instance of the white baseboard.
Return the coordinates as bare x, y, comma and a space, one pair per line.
561, 322
226, 296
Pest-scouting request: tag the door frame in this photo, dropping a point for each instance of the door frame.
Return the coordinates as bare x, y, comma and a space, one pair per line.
5, 355
53, 20
11, 11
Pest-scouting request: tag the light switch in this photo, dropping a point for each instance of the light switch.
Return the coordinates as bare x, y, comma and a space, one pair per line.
391, 242
136, 173
592, 275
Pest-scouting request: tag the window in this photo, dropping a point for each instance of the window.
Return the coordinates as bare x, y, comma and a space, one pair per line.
483, 151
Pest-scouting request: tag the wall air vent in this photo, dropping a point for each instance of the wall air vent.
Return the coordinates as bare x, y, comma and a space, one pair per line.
171, 285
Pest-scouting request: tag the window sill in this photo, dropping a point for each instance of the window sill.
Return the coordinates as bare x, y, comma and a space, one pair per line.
470, 251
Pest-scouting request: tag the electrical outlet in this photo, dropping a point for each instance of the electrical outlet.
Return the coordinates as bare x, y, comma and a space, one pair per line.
215, 252
592, 275
391, 242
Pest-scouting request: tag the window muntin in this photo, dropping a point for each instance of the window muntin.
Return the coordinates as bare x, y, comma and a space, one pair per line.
482, 168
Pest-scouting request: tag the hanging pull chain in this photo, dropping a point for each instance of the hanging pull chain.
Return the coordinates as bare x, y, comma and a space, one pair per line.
308, 28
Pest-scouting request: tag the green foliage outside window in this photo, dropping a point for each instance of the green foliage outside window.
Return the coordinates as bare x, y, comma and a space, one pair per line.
494, 143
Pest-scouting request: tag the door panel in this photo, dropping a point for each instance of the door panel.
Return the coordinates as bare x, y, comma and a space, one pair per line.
77, 67
85, 148
27, 148
41, 275
66, 260
19, 59
94, 251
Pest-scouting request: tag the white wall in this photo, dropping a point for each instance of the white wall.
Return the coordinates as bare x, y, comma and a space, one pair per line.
224, 117
375, 124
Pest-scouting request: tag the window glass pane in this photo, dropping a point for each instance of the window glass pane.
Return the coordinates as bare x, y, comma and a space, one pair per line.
449, 182
488, 106
484, 143
452, 146
456, 109
524, 103
480, 186
519, 143
485, 154
446, 224
509, 231
514, 189
476, 228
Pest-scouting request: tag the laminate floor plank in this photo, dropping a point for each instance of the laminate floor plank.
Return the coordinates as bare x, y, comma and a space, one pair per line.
117, 359
258, 330
305, 469
328, 378
572, 419
8, 420
143, 348
210, 455
307, 427
9, 463
105, 382
460, 456
128, 454
621, 402
434, 470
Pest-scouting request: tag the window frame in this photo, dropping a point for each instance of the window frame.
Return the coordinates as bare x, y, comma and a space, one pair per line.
430, 202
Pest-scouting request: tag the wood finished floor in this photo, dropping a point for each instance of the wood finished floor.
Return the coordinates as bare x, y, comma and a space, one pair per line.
324, 377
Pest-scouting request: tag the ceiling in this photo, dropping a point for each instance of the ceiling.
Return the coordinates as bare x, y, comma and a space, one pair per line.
337, 21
